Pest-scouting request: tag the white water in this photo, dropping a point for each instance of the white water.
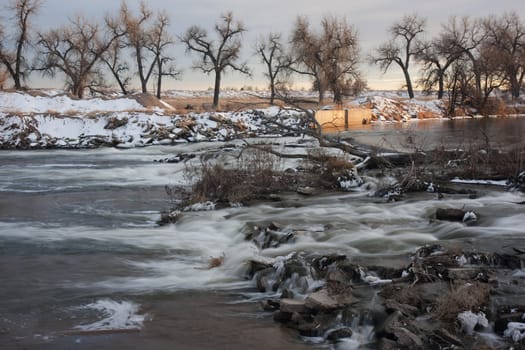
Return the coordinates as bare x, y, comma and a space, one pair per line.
117, 315
88, 219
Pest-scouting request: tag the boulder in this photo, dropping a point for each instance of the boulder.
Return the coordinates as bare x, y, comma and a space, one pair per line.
453, 214
322, 300
450, 214
336, 334
293, 305
305, 190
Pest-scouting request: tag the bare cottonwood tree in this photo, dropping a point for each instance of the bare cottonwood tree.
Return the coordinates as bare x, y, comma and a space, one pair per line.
137, 35
506, 34
14, 59
330, 56
160, 40
436, 57
272, 54
402, 47
468, 38
217, 55
73, 50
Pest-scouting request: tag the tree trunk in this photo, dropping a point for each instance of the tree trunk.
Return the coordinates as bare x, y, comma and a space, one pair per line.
514, 86
410, 90
18, 84
159, 79
12, 73
441, 85
338, 97
78, 90
143, 82
272, 91
217, 89
119, 81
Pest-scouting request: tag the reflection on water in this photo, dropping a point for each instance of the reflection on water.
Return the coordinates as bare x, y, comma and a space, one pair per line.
430, 133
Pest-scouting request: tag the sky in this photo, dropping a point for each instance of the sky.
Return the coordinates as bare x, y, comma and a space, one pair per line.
371, 18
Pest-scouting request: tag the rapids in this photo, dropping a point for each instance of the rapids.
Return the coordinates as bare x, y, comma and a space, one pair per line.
81, 253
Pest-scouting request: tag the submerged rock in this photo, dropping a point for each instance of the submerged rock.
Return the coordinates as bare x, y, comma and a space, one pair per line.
339, 333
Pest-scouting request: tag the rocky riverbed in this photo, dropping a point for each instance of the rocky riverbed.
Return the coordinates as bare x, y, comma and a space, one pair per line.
442, 298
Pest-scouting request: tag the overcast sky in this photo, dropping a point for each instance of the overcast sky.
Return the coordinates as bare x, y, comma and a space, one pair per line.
371, 18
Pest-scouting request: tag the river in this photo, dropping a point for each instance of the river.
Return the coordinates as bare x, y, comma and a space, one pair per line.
427, 134
84, 265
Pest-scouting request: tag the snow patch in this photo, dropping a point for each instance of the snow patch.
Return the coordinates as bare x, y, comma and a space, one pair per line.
470, 320
62, 104
515, 331
470, 216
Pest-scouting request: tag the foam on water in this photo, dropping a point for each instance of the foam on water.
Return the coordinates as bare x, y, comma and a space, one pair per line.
116, 315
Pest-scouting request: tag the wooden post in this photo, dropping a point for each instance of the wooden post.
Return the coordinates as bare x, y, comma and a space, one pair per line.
346, 118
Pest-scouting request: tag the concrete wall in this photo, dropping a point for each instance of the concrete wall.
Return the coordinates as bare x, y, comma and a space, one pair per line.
343, 118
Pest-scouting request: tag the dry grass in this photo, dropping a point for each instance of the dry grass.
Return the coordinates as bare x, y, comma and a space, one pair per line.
254, 174
467, 297
204, 104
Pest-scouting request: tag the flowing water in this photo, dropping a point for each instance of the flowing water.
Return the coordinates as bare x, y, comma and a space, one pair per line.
426, 134
83, 264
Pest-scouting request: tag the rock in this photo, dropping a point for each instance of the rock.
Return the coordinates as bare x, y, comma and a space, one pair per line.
310, 330
336, 334
293, 305
387, 344
408, 339
297, 318
386, 328
259, 263
447, 338
465, 274
450, 214
270, 305
322, 300
504, 317
114, 123
305, 190
407, 310
265, 280
283, 317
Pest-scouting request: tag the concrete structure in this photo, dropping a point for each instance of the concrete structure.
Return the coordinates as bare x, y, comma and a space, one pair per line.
343, 118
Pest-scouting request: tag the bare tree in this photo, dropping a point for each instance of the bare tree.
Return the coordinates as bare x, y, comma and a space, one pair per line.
506, 35
160, 40
138, 38
468, 38
465, 37
217, 55
330, 57
401, 48
436, 58
14, 60
272, 54
73, 50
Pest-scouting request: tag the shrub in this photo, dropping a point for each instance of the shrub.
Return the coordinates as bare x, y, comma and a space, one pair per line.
254, 174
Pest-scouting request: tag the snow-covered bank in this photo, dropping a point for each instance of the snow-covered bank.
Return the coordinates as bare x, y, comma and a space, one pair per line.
22, 103
135, 129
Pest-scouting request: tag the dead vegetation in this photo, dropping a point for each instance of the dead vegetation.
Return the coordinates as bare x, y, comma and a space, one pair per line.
254, 174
